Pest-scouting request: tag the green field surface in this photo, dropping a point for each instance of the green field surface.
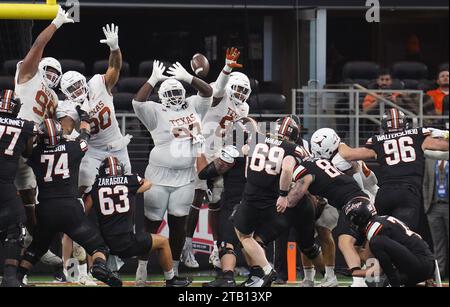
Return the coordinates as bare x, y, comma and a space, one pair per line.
158, 281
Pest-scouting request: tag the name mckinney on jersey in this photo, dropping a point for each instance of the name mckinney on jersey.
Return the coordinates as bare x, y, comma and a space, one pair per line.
12, 122
113, 181
390, 136
185, 120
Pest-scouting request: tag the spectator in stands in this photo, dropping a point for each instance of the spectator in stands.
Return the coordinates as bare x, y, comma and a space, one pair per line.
435, 195
384, 82
438, 94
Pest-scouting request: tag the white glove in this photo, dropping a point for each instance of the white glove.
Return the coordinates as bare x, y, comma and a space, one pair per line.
178, 72
438, 133
112, 37
157, 73
229, 153
61, 18
198, 142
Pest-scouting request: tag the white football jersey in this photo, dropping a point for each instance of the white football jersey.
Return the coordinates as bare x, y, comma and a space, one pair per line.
104, 126
67, 108
38, 100
217, 120
173, 156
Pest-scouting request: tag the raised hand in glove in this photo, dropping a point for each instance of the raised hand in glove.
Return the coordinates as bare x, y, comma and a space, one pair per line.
178, 72
61, 18
111, 37
157, 73
231, 58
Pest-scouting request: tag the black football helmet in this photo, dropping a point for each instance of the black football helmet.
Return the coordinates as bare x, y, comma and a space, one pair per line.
359, 211
111, 167
394, 121
8, 103
50, 132
287, 128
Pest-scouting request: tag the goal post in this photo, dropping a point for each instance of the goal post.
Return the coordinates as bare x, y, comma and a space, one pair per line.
45, 11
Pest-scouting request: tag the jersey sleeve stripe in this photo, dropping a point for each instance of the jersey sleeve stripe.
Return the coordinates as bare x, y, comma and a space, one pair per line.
373, 230
298, 172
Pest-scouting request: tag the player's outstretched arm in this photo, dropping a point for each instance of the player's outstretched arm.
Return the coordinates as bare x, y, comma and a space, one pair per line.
157, 75
355, 154
431, 143
115, 57
178, 72
30, 64
219, 86
287, 170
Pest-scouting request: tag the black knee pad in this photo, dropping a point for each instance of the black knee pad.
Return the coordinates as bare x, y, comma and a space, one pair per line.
214, 206
176, 223
14, 241
224, 250
312, 252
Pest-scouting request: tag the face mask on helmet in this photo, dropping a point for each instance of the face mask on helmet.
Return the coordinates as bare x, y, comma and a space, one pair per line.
287, 129
74, 86
172, 95
51, 71
9, 104
238, 88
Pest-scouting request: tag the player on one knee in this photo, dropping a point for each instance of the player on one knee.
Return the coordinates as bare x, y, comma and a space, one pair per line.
230, 93
175, 126
113, 199
403, 255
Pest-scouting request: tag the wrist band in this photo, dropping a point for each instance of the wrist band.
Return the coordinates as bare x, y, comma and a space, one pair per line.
355, 269
283, 193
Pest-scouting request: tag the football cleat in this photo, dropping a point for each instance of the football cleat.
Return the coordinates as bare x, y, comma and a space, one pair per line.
255, 278
141, 276
328, 283
51, 259
178, 282
101, 272
86, 280
305, 283
220, 282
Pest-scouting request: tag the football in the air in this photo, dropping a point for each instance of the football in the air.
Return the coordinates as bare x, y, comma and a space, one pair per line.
200, 65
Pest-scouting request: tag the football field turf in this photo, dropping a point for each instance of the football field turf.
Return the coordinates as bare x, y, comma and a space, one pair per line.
157, 281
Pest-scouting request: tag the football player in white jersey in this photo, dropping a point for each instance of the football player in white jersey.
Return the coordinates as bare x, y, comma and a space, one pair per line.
175, 126
325, 144
96, 99
230, 93
35, 79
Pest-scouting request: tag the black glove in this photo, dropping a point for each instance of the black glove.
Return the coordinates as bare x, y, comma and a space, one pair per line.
84, 116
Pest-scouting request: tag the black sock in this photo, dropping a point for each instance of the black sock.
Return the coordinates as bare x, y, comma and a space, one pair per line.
9, 271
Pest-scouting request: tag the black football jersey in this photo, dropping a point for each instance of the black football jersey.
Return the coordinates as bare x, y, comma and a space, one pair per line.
397, 230
114, 203
400, 155
264, 162
56, 168
14, 135
234, 182
328, 182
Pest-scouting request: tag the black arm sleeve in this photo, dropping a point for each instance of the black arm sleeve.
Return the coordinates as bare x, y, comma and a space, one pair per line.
209, 172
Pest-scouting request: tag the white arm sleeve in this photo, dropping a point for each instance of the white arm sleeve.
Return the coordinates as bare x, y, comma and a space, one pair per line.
220, 84
436, 154
146, 112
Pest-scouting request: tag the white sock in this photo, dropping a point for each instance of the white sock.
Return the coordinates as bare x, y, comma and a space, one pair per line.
188, 242
329, 272
82, 268
176, 264
169, 275
143, 263
310, 273
267, 269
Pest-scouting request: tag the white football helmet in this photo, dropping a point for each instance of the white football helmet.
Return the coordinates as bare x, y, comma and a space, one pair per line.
74, 86
51, 76
172, 94
324, 143
238, 88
